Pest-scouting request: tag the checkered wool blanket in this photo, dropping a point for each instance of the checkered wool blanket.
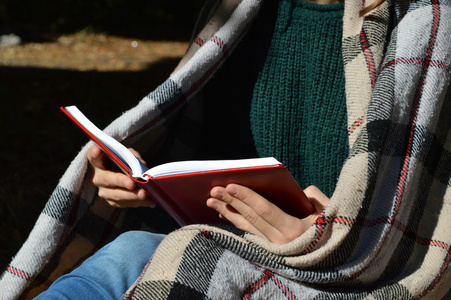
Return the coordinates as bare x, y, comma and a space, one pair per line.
386, 233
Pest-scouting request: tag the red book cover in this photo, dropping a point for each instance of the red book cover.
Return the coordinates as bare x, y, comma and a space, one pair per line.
183, 196
186, 194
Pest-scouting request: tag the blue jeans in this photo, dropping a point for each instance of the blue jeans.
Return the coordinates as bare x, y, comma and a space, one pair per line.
110, 271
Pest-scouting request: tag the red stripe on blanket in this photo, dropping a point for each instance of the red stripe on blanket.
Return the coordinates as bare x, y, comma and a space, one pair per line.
414, 114
220, 43
320, 223
355, 125
443, 269
418, 61
199, 41
407, 155
398, 225
368, 57
441, 65
282, 287
323, 221
263, 280
436, 18
19, 273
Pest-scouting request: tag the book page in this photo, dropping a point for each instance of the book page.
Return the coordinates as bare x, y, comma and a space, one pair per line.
183, 167
121, 152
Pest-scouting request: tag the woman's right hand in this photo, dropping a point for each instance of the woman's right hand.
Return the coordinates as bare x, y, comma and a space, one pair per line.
116, 188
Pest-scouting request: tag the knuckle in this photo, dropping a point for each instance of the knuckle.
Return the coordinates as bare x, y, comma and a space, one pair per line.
232, 201
102, 194
135, 196
265, 211
95, 180
251, 217
108, 194
236, 190
312, 189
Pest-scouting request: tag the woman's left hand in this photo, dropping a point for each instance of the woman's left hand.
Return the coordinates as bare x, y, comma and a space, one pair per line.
249, 211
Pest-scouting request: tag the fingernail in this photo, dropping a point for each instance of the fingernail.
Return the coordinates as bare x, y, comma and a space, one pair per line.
232, 191
212, 204
142, 194
216, 193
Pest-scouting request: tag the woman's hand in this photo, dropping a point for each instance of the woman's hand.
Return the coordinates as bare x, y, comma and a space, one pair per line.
116, 188
251, 212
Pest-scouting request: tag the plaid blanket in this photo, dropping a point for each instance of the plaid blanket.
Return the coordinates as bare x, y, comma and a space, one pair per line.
386, 232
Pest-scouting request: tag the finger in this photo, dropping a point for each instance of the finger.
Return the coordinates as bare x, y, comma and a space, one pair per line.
276, 225
131, 203
317, 198
237, 197
95, 157
265, 209
135, 153
119, 195
227, 212
110, 179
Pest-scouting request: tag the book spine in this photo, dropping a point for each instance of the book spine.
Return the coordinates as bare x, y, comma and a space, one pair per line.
164, 201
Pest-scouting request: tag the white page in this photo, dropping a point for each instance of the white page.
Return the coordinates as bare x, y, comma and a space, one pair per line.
137, 168
208, 165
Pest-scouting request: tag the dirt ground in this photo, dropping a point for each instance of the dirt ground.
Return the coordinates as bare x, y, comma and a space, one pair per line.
91, 52
103, 75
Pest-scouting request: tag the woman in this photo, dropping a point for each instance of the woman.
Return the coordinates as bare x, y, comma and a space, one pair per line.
387, 213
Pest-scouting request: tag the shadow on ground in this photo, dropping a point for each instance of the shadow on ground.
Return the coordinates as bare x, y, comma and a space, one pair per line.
38, 141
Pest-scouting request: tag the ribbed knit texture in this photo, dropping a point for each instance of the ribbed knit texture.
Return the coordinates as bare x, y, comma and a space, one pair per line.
298, 112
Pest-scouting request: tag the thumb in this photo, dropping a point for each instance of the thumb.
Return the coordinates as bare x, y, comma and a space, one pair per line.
317, 198
95, 157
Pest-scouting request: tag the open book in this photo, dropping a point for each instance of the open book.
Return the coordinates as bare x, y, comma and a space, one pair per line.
182, 188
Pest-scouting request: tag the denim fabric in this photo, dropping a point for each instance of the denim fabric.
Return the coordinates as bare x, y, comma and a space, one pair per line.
109, 272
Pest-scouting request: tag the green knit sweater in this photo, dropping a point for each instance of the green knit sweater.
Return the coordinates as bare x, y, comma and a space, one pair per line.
298, 111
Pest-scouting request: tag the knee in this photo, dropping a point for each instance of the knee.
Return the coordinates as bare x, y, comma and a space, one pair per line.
136, 241
132, 236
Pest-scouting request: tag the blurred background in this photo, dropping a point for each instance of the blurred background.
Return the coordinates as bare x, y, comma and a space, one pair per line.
103, 56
